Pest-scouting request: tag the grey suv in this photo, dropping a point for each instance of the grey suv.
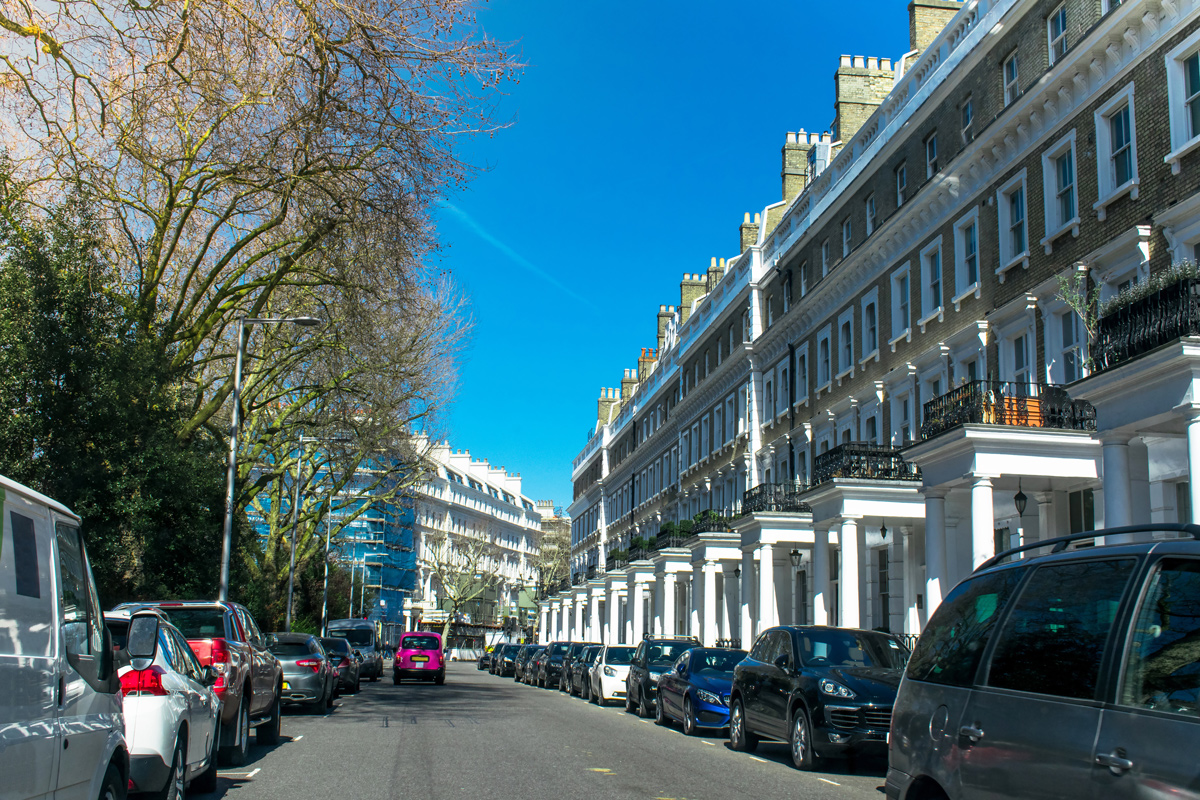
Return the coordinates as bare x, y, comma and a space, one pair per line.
1071, 674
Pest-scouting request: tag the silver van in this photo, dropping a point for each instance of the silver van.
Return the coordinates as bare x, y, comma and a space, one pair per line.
1070, 674
61, 728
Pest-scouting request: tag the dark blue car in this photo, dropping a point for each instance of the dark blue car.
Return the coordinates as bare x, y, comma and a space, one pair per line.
696, 690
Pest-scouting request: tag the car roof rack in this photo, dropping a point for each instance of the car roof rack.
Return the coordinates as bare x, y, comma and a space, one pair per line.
1059, 543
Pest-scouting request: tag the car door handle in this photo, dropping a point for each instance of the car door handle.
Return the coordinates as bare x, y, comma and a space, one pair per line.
1114, 761
972, 732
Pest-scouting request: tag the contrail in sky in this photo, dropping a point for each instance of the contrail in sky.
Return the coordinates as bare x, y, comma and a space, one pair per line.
482, 233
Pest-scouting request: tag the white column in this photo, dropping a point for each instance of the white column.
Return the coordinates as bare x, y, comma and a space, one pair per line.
638, 610
694, 596
668, 616
658, 602
820, 576
983, 521
613, 634
579, 631
766, 587
1118, 498
746, 629
543, 625
1045, 514
935, 548
1193, 456
711, 607
848, 579
595, 631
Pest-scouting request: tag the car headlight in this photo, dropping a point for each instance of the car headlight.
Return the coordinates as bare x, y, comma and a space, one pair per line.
836, 689
709, 697
610, 672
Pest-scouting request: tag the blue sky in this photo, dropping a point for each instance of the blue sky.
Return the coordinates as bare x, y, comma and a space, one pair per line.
641, 133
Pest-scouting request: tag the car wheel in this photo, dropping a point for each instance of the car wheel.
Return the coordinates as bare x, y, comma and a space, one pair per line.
642, 707
395, 680
113, 788
441, 678
330, 696
628, 700
268, 732
357, 684
660, 716
598, 696
740, 738
801, 742
689, 717
206, 782
235, 754
175, 778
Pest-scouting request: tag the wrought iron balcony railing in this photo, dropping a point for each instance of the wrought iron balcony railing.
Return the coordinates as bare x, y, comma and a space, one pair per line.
711, 525
615, 563
863, 460
639, 553
669, 540
1147, 323
564, 584
593, 572
774, 497
1001, 403
577, 579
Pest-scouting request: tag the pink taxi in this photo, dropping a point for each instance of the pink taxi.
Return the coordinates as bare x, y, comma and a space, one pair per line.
419, 656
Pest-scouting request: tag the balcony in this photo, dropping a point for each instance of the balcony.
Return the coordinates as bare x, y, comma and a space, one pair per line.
774, 497
577, 579
593, 572
669, 540
615, 563
1148, 322
864, 461
564, 584
715, 524
1000, 403
639, 553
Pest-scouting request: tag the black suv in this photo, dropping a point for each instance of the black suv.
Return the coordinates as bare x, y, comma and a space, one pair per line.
568, 663
652, 658
552, 664
1070, 674
824, 691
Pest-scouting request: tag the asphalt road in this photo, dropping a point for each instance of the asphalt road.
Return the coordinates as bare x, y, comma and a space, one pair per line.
480, 736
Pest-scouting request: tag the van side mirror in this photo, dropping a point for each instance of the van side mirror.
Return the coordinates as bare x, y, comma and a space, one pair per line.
106, 666
783, 661
143, 636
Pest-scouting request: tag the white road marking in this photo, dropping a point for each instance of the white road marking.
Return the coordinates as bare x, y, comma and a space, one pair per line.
760, 760
255, 772
298, 738
835, 783
710, 744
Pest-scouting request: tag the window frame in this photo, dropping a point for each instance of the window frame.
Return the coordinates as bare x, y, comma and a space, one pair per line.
1004, 193
869, 300
845, 360
847, 236
1107, 187
1184, 138
901, 301
824, 258
869, 210
901, 173
931, 255
964, 287
1052, 193
1059, 13
967, 119
1012, 87
824, 359
931, 159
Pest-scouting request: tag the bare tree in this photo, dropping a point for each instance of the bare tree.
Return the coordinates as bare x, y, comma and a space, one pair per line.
463, 566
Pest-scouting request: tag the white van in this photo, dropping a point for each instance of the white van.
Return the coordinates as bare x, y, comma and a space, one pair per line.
61, 729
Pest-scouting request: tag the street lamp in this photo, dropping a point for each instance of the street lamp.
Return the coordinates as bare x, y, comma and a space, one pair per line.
235, 423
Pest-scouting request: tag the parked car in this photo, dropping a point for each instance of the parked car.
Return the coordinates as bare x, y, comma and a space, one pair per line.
419, 656
1070, 674
578, 680
530, 675
171, 712
826, 691
57, 670
609, 673
506, 663
485, 658
347, 662
224, 636
550, 670
519, 660
652, 658
361, 635
568, 662
310, 677
696, 690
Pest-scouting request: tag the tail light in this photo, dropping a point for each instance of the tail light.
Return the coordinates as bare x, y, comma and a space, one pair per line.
220, 656
146, 682
344, 663
312, 663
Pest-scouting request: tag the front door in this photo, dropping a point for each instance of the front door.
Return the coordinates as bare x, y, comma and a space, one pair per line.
777, 685
1028, 730
1149, 738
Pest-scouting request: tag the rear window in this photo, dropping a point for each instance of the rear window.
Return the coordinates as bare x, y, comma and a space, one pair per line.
198, 623
619, 655
336, 645
289, 649
419, 643
361, 637
667, 652
559, 649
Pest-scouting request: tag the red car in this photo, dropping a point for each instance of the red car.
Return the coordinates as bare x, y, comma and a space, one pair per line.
419, 655
249, 677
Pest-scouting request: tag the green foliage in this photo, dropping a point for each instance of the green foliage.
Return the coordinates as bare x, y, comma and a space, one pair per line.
618, 555
685, 527
669, 529
90, 412
1170, 276
707, 514
641, 542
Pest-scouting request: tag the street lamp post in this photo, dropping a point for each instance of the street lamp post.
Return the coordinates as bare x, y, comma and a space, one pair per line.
235, 423
325, 591
295, 524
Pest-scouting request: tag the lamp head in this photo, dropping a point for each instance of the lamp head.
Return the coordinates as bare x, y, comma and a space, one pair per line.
795, 556
307, 322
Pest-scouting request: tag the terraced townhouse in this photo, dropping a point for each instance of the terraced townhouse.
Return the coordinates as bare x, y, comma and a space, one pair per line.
971, 322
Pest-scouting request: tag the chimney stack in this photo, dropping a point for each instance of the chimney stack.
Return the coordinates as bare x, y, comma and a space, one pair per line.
664, 316
748, 232
860, 85
795, 164
605, 406
691, 288
926, 19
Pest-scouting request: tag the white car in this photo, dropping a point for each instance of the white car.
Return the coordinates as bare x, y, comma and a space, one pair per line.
171, 710
609, 672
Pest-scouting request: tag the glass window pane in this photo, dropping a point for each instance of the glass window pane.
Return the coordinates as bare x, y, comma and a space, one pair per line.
1054, 640
1162, 667
73, 591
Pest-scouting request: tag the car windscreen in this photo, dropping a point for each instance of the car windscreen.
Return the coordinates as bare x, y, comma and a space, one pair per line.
360, 638
665, 654
619, 655
715, 663
336, 645
289, 649
419, 643
559, 648
834, 648
198, 623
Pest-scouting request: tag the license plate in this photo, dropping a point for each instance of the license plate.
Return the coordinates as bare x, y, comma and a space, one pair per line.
420, 658
285, 686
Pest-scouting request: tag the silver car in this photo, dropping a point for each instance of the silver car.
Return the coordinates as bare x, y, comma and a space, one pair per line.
347, 661
310, 677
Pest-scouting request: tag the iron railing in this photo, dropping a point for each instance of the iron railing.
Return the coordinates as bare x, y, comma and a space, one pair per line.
639, 553
564, 584
729, 644
593, 572
909, 640
774, 497
711, 525
1147, 323
669, 540
863, 460
1005, 403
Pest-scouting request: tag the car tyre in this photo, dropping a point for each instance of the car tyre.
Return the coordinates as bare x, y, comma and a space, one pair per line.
268, 732
176, 778
330, 696
628, 700
801, 741
441, 678
235, 754
206, 782
689, 717
395, 680
112, 788
598, 695
740, 738
660, 716
643, 708
357, 687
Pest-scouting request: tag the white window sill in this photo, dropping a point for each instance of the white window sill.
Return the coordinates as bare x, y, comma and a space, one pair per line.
1071, 225
973, 289
1175, 156
1130, 187
938, 314
1020, 260
801, 401
844, 374
873, 355
905, 334
823, 389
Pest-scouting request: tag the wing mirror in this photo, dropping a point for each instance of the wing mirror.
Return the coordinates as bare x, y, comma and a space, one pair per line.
210, 676
143, 636
783, 661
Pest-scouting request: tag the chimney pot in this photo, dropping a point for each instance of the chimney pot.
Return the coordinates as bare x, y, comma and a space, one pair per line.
860, 62
886, 64
872, 62
712, 263
746, 219
756, 218
845, 61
